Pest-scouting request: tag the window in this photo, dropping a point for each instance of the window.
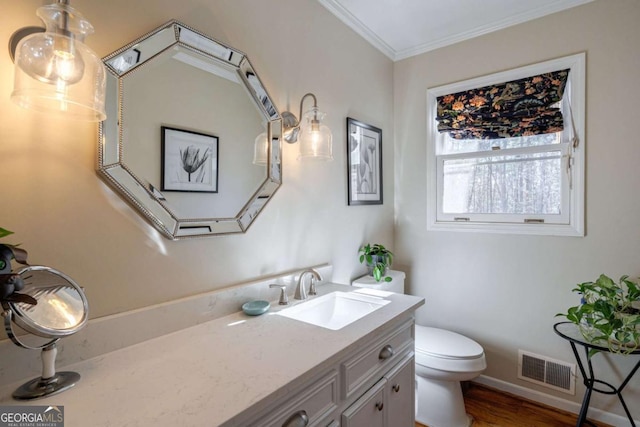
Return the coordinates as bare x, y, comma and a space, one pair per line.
531, 183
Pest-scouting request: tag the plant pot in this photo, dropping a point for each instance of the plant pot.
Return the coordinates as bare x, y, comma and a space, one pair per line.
376, 259
615, 345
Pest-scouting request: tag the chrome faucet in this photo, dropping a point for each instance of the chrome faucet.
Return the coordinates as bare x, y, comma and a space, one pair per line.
301, 292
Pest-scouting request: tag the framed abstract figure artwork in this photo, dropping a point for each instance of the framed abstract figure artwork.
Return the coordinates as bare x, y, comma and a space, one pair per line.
189, 161
364, 163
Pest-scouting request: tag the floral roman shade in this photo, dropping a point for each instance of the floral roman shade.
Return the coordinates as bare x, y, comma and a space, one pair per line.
517, 108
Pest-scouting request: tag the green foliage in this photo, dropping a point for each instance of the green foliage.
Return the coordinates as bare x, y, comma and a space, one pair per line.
4, 232
378, 258
609, 313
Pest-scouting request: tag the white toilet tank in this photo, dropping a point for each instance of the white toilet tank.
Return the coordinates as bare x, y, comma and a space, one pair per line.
396, 284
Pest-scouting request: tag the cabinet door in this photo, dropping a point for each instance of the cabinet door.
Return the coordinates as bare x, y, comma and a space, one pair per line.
400, 394
368, 411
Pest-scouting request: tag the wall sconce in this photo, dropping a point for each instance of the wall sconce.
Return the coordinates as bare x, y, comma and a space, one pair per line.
54, 70
315, 137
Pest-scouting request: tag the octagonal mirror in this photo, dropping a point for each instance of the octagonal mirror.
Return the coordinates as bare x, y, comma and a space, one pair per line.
192, 139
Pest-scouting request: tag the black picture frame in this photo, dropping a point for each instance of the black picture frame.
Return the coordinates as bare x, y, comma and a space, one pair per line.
364, 163
189, 161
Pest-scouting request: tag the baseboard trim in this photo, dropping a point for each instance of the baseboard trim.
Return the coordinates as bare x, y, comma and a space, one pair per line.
556, 402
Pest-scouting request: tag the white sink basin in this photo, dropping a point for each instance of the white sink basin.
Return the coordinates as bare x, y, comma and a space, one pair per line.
335, 310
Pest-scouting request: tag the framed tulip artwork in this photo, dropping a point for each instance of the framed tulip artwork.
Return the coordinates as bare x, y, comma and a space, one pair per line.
189, 161
364, 163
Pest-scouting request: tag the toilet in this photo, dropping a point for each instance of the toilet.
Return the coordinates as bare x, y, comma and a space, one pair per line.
443, 359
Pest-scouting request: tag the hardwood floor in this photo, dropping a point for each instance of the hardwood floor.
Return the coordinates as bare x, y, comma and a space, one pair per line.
493, 408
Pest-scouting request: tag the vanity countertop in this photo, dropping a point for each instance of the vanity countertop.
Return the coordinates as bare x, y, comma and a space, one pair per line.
210, 373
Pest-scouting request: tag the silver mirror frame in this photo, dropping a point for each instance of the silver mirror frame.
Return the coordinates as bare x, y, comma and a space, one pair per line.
144, 196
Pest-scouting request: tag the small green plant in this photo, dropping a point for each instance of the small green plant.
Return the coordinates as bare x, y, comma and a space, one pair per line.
378, 259
609, 313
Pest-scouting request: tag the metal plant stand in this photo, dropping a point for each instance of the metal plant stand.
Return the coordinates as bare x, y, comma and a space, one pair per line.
570, 332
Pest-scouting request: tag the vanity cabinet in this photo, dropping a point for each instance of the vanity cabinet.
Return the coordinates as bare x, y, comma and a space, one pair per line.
241, 371
370, 385
389, 403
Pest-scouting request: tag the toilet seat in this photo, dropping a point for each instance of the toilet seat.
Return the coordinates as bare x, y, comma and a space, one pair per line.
447, 351
448, 344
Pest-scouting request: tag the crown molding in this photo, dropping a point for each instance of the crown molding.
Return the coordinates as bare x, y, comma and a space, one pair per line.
360, 28
356, 25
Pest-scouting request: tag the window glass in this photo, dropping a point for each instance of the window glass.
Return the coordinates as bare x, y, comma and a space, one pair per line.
518, 184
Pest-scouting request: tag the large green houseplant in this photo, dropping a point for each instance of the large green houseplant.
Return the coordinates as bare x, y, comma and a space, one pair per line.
609, 313
378, 259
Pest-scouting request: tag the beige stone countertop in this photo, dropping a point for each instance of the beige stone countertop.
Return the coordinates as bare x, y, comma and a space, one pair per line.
208, 374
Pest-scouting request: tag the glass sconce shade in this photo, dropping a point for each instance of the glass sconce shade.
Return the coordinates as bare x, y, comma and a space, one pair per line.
316, 141
56, 72
261, 149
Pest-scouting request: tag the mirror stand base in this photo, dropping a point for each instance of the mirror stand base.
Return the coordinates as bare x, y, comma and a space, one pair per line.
43, 387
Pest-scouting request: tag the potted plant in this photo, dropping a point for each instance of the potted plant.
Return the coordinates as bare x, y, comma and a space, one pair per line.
609, 313
378, 260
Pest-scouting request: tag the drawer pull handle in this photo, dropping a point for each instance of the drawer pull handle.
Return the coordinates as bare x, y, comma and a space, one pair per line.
396, 387
299, 419
386, 352
379, 406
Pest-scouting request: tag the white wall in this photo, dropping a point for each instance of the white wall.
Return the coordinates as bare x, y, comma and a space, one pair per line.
63, 214
504, 290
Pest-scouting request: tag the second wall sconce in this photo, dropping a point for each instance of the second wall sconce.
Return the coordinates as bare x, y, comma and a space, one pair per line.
316, 141
54, 70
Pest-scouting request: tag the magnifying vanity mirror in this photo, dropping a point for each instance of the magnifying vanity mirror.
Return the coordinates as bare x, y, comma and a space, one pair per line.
51, 306
192, 139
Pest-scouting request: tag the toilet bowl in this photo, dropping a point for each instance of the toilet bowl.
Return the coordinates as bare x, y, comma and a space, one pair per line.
443, 359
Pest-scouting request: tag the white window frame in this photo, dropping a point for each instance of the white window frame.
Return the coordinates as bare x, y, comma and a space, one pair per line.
571, 221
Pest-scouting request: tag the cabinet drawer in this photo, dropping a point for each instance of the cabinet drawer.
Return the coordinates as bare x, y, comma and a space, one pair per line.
375, 358
367, 410
317, 401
